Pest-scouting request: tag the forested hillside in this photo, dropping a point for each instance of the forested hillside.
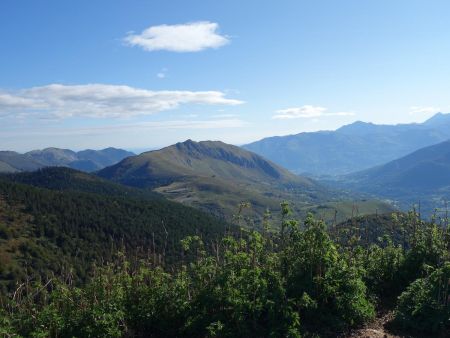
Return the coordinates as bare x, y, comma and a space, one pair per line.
45, 233
61, 179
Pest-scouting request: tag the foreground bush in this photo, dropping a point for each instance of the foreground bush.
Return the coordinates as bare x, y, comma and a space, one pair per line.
425, 305
329, 293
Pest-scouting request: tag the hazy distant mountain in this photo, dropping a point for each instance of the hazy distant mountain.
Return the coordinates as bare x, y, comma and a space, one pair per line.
105, 157
351, 148
53, 156
422, 176
11, 161
216, 176
86, 160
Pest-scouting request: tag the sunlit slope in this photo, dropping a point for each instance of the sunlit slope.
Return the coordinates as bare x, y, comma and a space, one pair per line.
215, 176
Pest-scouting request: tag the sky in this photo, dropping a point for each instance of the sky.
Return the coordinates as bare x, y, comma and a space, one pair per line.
143, 74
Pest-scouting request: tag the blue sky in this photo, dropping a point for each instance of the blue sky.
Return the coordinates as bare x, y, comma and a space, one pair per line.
145, 74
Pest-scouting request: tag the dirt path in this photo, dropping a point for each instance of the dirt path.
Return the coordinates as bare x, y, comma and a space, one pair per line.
375, 329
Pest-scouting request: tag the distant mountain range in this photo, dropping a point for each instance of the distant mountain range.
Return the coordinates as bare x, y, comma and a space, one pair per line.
86, 160
351, 148
215, 176
420, 177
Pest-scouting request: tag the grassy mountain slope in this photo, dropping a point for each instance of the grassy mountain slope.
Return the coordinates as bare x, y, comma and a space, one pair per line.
11, 161
6, 168
53, 156
45, 231
206, 159
422, 176
351, 148
215, 176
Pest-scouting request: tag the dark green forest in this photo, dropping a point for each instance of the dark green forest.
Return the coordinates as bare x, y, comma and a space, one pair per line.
46, 233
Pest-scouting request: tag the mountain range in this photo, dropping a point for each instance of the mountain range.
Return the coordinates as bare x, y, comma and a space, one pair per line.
351, 148
216, 177
86, 160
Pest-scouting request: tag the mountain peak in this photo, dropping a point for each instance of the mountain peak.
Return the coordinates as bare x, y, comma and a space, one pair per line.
357, 127
207, 159
438, 119
188, 146
203, 147
205, 174
192, 142
188, 141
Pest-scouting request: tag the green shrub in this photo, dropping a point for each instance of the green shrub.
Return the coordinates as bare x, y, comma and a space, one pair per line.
315, 271
425, 305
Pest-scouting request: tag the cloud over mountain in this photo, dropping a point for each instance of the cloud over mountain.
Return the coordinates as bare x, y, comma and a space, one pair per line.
306, 111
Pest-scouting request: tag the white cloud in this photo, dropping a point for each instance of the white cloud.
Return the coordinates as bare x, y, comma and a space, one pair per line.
189, 37
100, 100
424, 110
307, 111
11, 101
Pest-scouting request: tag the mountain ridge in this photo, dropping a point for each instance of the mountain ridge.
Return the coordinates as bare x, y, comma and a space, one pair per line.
351, 148
86, 160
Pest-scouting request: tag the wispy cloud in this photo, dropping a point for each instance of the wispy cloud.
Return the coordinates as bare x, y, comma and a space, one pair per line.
423, 110
132, 127
162, 73
308, 112
221, 116
101, 101
189, 37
